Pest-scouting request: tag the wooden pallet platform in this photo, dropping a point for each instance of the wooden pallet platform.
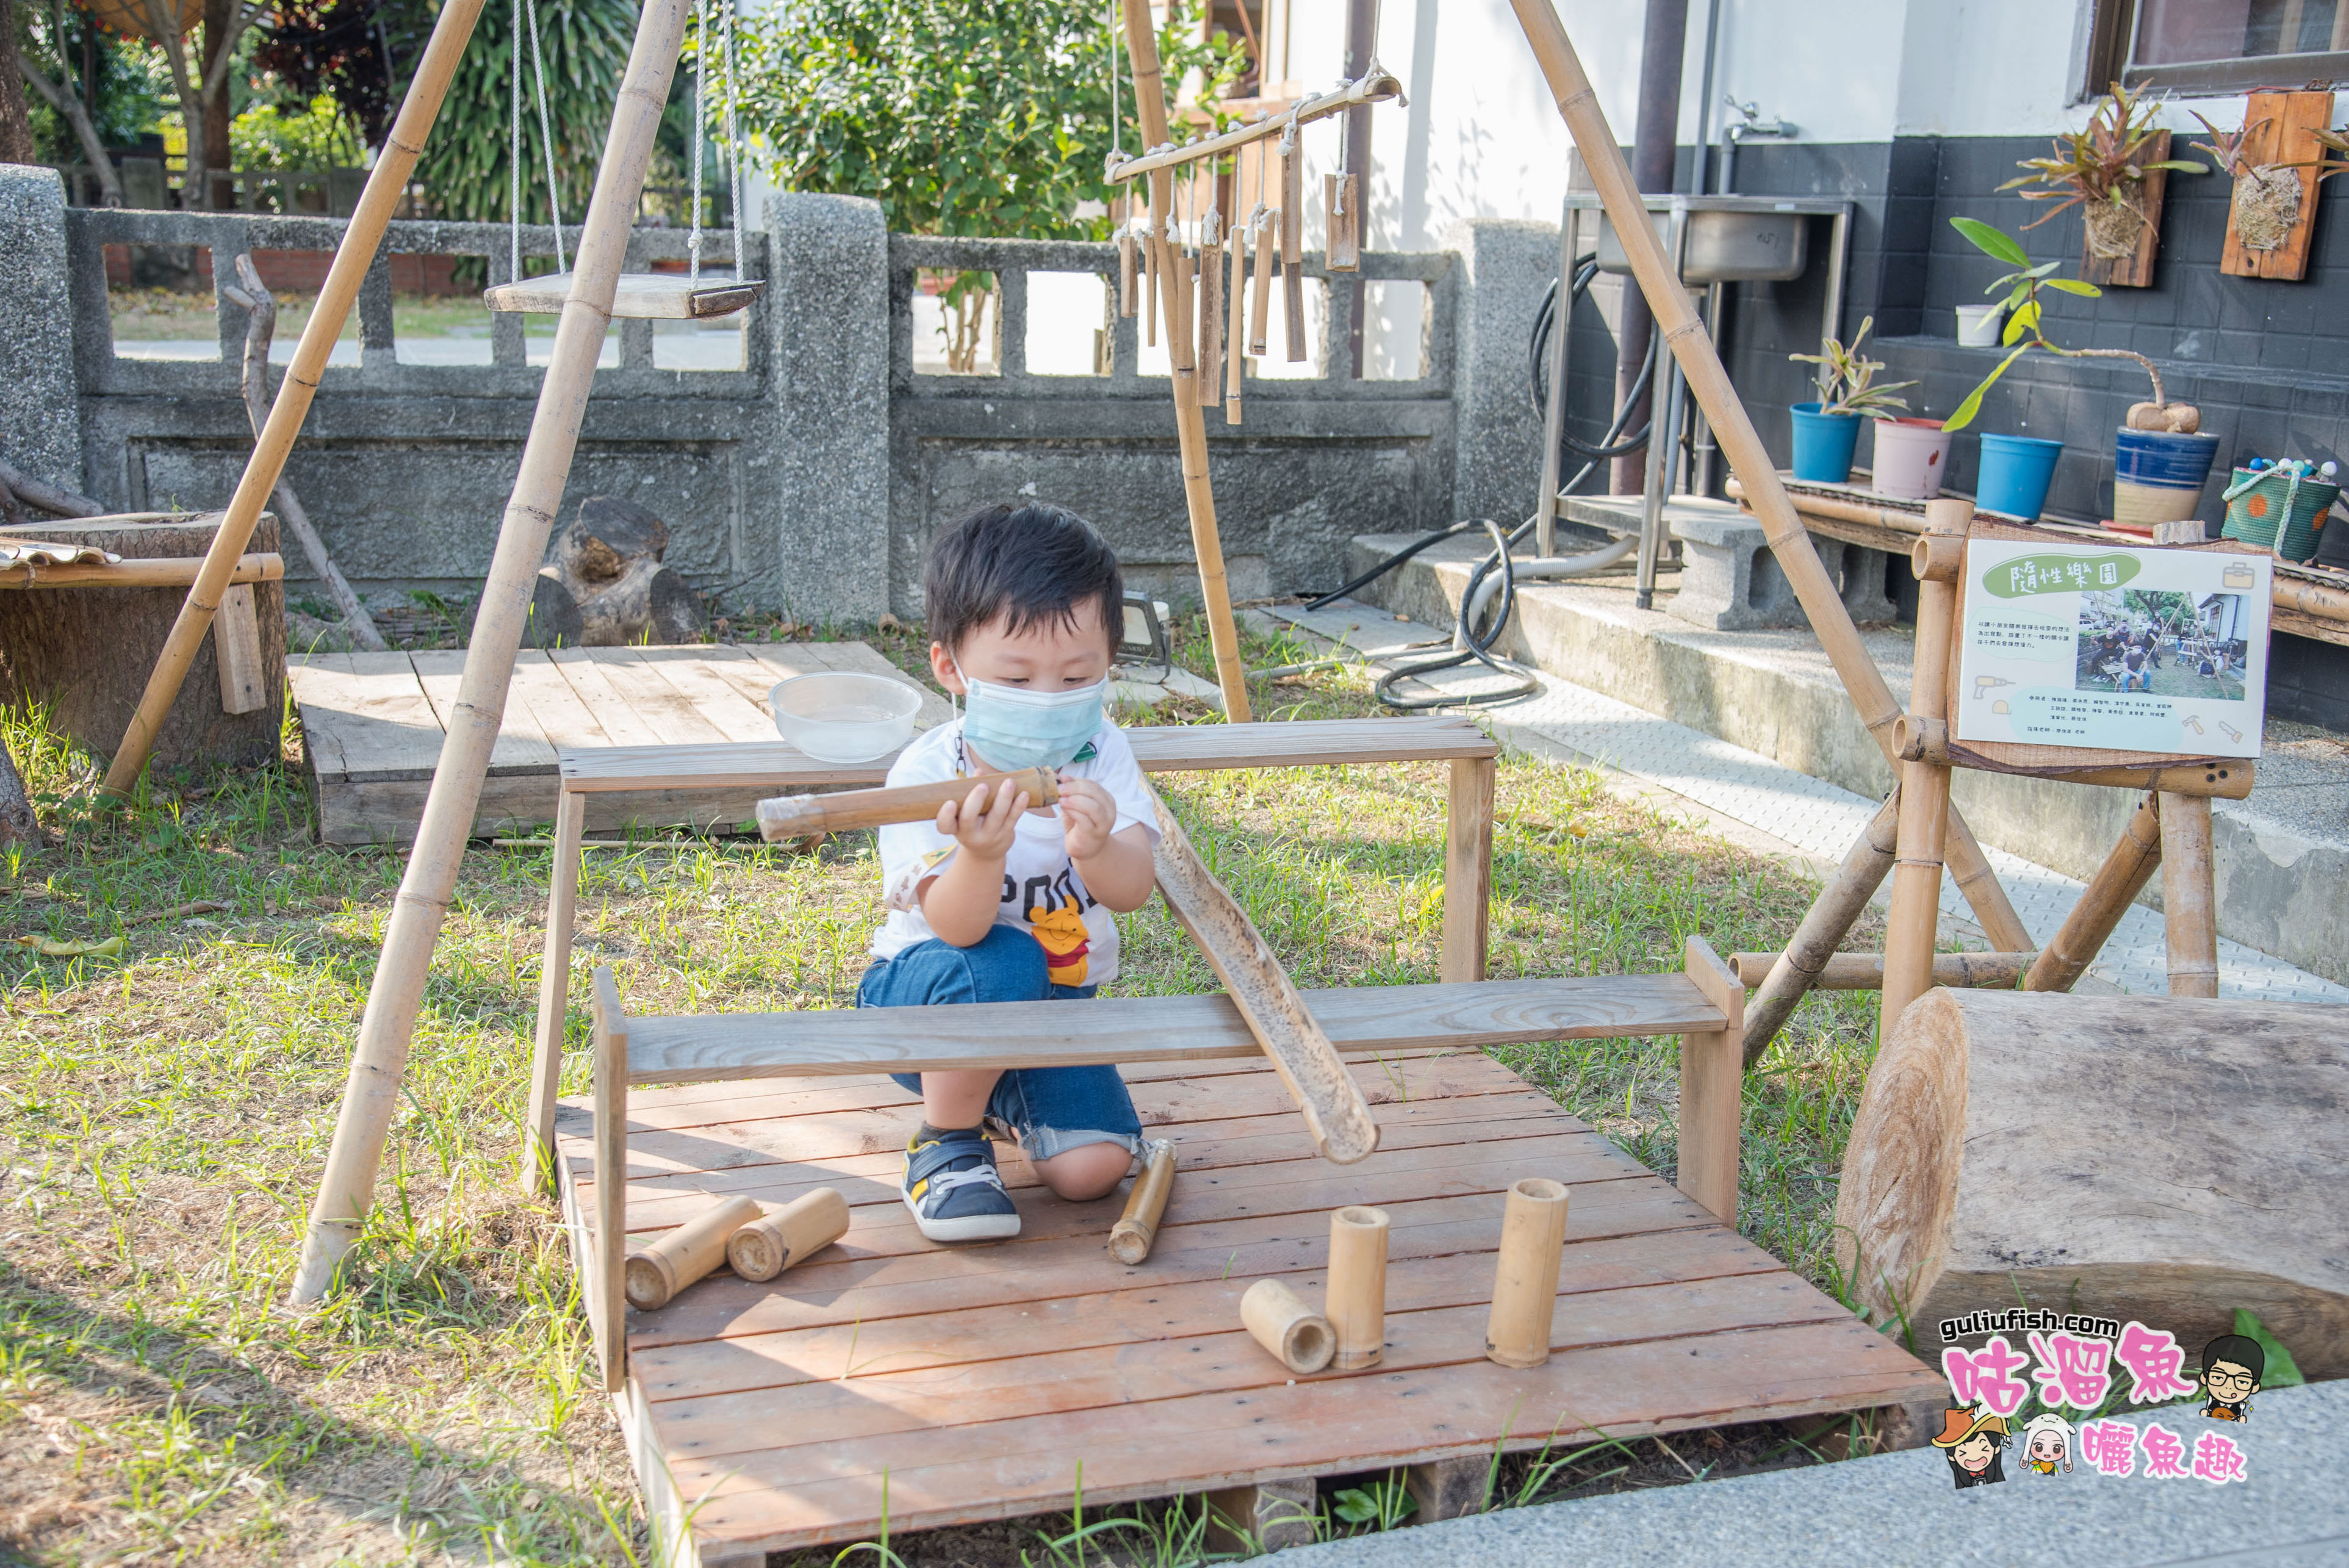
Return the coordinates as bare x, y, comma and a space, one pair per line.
962, 1384
372, 725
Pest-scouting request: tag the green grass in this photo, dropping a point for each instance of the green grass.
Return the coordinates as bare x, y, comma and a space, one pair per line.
163, 1118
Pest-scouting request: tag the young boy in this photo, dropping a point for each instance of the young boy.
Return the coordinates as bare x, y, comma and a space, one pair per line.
997, 901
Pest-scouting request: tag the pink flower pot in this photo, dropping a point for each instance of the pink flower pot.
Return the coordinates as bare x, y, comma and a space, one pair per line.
1909, 457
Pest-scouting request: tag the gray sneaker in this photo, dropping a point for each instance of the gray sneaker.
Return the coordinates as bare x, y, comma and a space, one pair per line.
953, 1190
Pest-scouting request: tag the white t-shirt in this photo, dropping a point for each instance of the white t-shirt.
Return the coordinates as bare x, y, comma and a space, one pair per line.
1042, 893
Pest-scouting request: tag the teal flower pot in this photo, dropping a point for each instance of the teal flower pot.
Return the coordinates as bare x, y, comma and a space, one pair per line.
1824, 444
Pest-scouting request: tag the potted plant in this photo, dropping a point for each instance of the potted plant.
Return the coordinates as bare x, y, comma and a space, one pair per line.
2161, 458
2102, 170
1826, 432
2267, 196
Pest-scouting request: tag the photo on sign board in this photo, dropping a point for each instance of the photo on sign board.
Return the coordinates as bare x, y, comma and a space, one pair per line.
2161, 641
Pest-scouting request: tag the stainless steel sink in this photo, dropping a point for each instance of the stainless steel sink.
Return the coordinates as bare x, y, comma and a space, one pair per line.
1725, 247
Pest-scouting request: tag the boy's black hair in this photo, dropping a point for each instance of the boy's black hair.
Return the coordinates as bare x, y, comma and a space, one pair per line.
2242, 1350
1027, 565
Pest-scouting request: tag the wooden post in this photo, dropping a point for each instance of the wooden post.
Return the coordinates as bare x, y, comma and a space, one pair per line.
1467, 868
387, 186
537, 1170
236, 650
398, 990
1713, 1100
2189, 895
1734, 433
787, 1238
1914, 918
1449, 1489
1825, 924
1356, 1294
1243, 1520
1299, 1337
2102, 904
607, 1309
1190, 423
1524, 1273
655, 1273
1136, 1231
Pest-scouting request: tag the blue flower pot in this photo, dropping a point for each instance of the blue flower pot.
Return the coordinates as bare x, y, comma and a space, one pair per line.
2015, 473
2157, 476
1824, 444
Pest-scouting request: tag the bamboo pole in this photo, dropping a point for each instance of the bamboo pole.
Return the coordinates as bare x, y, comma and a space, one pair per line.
387, 184
1373, 86
1357, 1293
1825, 925
537, 1172
1914, 919
1864, 971
655, 1273
1190, 423
2102, 904
1136, 1231
787, 1238
2189, 895
1524, 1277
785, 817
381, 1057
1734, 434
1299, 1337
168, 571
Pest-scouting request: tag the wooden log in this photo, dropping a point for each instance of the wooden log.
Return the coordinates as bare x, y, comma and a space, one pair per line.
1357, 1293
1912, 922
1524, 1273
787, 1238
1136, 1231
54, 499
1825, 924
2102, 903
2189, 895
1337, 1117
2163, 1159
1449, 1489
1711, 1088
537, 1172
1864, 971
804, 815
655, 1273
1292, 1333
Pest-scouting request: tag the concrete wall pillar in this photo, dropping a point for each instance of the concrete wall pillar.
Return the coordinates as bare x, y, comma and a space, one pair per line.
1505, 265
40, 406
817, 503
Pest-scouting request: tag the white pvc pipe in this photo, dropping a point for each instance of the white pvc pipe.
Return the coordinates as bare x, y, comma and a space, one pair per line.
1547, 566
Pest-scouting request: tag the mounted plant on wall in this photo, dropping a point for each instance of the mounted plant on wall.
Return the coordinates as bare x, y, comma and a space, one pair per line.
2115, 170
2162, 459
2277, 160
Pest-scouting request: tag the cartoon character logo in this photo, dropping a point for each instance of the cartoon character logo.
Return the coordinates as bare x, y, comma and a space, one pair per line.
2047, 1444
1974, 1442
2233, 1366
1062, 935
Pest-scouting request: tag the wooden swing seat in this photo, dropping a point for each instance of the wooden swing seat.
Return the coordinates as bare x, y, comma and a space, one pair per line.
641, 296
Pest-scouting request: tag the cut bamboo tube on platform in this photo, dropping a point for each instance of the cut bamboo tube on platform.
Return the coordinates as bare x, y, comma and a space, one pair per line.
787, 1238
1524, 1279
380, 1059
1136, 1231
1825, 924
1299, 1337
1356, 1300
2102, 904
1864, 971
1292, 246
786, 817
1734, 433
1260, 308
1913, 919
1235, 352
657, 1271
387, 187
2189, 895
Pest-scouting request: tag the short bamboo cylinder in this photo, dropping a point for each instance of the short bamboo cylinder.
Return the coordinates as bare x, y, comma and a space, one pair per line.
790, 1236
654, 1274
1299, 1337
1524, 1283
1136, 1231
1357, 1297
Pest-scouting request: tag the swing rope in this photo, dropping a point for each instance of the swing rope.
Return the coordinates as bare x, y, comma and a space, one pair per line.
700, 117
528, 9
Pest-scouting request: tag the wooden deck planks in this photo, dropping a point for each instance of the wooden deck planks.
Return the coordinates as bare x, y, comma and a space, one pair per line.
978, 1379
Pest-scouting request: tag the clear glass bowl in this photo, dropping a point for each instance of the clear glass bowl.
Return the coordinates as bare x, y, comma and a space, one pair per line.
844, 717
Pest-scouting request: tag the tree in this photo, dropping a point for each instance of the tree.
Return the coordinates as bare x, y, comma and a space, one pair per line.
70, 102
15, 125
202, 84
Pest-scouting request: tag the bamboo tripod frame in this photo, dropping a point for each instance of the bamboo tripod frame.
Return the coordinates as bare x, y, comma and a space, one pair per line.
380, 1059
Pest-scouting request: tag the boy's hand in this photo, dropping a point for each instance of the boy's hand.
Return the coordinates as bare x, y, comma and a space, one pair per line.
1087, 815
985, 829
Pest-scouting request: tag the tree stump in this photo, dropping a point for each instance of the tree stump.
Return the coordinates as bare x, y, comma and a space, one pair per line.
2162, 1159
605, 586
88, 651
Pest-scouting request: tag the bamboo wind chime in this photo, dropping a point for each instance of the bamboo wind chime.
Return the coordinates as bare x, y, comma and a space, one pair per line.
1185, 290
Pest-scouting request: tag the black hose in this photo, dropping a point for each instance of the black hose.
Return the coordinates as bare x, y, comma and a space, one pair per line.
1614, 444
1524, 685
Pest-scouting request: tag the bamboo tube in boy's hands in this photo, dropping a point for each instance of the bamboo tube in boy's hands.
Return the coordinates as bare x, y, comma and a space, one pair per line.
1299, 1337
790, 1236
1136, 1231
1524, 1283
1357, 1296
654, 1274
804, 815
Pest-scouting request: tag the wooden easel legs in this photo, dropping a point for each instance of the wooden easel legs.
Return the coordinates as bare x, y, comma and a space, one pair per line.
2109, 893
1828, 921
553, 996
2189, 895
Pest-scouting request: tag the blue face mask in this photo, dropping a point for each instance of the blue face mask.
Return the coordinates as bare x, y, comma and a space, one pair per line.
1014, 728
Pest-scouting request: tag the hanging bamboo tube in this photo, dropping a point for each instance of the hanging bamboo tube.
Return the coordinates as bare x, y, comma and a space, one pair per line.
1913, 919
2189, 894
386, 185
1211, 307
1299, 1337
1825, 924
1734, 433
1235, 355
380, 1059
1260, 311
1150, 279
1524, 1279
1122, 209
1357, 1296
655, 1273
766, 1246
1292, 244
2102, 904
1136, 1231
1190, 423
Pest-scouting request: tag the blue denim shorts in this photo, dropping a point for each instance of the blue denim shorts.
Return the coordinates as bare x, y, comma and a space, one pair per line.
1049, 1110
